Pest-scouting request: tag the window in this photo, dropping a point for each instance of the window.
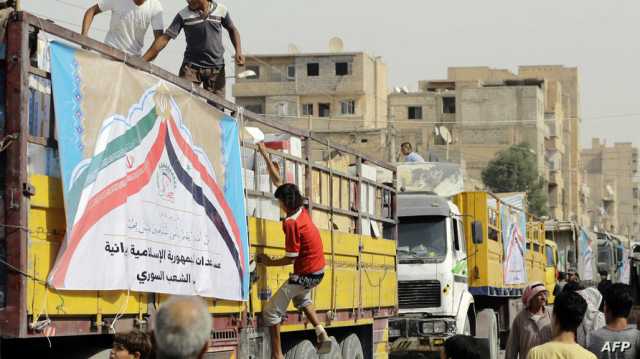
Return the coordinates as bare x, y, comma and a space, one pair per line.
254, 68
348, 107
448, 105
307, 109
291, 72
256, 108
324, 110
343, 68
415, 113
422, 238
282, 108
313, 69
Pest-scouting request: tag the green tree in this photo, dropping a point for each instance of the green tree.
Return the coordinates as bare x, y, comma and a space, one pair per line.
515, 170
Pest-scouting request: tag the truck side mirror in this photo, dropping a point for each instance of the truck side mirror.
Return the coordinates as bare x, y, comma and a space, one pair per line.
476, 232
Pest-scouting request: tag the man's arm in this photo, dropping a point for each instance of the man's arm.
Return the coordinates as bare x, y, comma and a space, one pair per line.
88, 18
234, 35
280, 262
274, 172
158, 44
157, 34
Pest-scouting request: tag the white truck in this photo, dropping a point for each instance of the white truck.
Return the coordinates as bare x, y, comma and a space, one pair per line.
433, 293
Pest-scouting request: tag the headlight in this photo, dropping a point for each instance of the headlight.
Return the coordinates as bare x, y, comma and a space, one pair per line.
427, 327
451, 327
439, 327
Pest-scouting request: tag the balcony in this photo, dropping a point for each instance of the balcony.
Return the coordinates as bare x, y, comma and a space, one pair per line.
554, 144
555, 178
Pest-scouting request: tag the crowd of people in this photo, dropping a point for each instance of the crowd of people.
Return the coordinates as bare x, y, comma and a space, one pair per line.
575, 329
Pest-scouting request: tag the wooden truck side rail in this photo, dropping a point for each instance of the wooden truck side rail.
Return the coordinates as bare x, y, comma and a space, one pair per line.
24, 279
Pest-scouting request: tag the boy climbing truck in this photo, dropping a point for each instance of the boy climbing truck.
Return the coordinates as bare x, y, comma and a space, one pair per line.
303, 247
169, 152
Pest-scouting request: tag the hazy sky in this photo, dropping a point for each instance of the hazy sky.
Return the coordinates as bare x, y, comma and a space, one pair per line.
419, 39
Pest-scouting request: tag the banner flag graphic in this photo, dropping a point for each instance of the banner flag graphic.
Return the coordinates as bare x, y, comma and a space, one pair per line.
153, 189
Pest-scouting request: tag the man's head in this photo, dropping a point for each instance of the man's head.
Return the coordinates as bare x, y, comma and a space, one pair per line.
406, 148
464, 347
568, 311
604, 275
182, 328
289, 197
135, 344
617, 301
534, 296
572, 275
201, 5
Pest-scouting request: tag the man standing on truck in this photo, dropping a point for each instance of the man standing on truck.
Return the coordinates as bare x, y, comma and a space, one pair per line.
409, 155
532, 326
130, 20
203, 63
304, 250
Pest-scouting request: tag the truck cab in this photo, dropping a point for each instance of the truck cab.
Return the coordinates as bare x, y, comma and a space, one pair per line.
433, 294
606, 255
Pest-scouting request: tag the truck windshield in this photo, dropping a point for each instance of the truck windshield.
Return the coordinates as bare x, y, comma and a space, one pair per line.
422, 238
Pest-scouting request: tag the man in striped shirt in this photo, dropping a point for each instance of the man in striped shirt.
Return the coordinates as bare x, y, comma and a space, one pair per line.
202, 22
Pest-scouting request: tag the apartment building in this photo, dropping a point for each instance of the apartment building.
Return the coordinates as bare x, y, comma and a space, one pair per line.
611, 174
324, 92
469, 122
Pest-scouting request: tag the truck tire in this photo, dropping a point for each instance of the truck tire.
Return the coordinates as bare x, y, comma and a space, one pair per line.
302, 350
351, 348
335, 353
487, 328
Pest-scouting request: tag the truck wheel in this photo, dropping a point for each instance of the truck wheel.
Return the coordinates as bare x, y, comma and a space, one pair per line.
351, 348
335, 352
487, 328
302, 350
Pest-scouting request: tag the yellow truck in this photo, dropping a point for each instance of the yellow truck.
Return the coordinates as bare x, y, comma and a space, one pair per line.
488, 260
354, 301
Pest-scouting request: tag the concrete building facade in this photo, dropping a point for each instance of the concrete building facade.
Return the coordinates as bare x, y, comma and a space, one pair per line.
480, 118
567, 197
611, 174
323, 92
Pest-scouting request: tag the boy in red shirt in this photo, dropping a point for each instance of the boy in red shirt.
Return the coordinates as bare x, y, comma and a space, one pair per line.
304, 249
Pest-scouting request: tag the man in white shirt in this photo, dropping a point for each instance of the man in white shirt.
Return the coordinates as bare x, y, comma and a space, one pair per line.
130, 20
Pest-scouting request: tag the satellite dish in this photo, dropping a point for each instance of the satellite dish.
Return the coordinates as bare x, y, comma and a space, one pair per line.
445, 134
405, 89
397, 89
293, 49
336, 45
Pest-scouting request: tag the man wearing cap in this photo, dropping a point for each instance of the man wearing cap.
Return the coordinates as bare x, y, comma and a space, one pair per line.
532, 326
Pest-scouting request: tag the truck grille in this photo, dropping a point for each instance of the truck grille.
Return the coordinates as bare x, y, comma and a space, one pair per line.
419, 294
